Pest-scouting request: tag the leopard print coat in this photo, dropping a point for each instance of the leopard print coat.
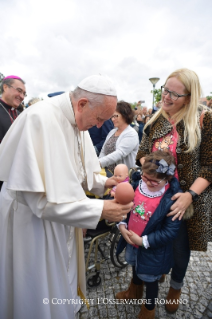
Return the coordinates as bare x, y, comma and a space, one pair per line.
197, 163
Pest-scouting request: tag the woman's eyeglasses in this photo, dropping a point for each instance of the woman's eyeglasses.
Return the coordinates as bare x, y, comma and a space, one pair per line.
153, 183
173, 95
114, 116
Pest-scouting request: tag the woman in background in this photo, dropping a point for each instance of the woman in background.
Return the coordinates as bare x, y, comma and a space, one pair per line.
121, 144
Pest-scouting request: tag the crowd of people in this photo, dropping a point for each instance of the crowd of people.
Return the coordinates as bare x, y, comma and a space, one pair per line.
53, 153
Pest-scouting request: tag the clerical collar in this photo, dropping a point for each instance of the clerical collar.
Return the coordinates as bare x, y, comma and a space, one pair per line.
7, 105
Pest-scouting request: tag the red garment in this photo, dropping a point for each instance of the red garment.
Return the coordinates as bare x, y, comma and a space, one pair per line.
125, 181
144, 207
168, 142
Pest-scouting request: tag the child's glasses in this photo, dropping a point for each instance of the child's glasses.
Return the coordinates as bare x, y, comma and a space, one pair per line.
153, 183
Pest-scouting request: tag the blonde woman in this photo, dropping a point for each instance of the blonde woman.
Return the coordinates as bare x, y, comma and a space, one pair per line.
185, 128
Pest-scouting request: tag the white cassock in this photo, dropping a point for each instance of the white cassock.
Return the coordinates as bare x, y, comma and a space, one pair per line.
42, 207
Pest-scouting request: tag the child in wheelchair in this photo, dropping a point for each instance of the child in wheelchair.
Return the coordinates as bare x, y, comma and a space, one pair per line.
147, 233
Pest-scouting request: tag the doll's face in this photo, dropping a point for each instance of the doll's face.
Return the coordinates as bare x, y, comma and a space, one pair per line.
120, 173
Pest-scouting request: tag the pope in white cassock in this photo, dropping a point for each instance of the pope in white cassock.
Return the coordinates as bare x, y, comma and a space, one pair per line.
47, 161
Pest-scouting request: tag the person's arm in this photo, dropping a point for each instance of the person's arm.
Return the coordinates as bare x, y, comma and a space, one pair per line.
125, 233
143, 149
163, 236
160, 237
205, 174
83, 214
183, 200
101, 183
124, 147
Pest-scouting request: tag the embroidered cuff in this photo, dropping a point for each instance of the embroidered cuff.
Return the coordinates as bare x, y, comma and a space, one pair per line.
145, 242
122, 223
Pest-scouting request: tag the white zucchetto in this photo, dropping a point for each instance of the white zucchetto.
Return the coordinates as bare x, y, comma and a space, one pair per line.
99, 84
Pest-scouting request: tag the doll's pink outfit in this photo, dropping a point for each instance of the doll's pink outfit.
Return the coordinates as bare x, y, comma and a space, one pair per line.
125, 181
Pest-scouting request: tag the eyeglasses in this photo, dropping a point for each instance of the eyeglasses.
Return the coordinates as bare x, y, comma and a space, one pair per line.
114, 116
20, 91
173, 95
153, 183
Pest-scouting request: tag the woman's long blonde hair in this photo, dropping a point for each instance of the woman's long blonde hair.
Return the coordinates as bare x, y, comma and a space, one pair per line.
189, 112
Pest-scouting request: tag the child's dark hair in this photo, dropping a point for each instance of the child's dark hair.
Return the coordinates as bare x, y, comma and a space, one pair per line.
151, 164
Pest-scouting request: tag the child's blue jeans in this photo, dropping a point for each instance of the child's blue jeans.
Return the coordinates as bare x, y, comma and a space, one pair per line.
131, 258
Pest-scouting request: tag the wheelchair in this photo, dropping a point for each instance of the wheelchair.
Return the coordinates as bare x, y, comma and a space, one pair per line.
111, 234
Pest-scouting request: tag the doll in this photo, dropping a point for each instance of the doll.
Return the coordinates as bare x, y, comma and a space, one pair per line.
120, 175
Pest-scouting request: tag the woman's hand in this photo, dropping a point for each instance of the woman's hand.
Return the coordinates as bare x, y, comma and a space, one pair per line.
137, 240
110, 182
183, 200
126, 234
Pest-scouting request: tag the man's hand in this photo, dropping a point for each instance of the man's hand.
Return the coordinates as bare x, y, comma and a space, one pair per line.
110, 182
115, 212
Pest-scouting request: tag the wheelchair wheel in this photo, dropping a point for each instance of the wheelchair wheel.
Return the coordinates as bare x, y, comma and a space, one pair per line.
118, 261
94, 280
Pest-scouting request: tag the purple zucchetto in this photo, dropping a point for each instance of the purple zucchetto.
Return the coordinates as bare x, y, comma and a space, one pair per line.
12, 77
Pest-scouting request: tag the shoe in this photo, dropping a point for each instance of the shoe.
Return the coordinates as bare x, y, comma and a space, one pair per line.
145, 313
162, 278
172, 300
133, 292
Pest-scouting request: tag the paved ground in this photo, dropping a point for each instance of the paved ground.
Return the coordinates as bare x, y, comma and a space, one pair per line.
196, 293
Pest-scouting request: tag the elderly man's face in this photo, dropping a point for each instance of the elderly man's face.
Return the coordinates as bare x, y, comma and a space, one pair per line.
87, 117
13, 94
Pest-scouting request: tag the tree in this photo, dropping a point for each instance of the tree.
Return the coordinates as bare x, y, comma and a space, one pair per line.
157, 95
133, 105
1, 78
209, 97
